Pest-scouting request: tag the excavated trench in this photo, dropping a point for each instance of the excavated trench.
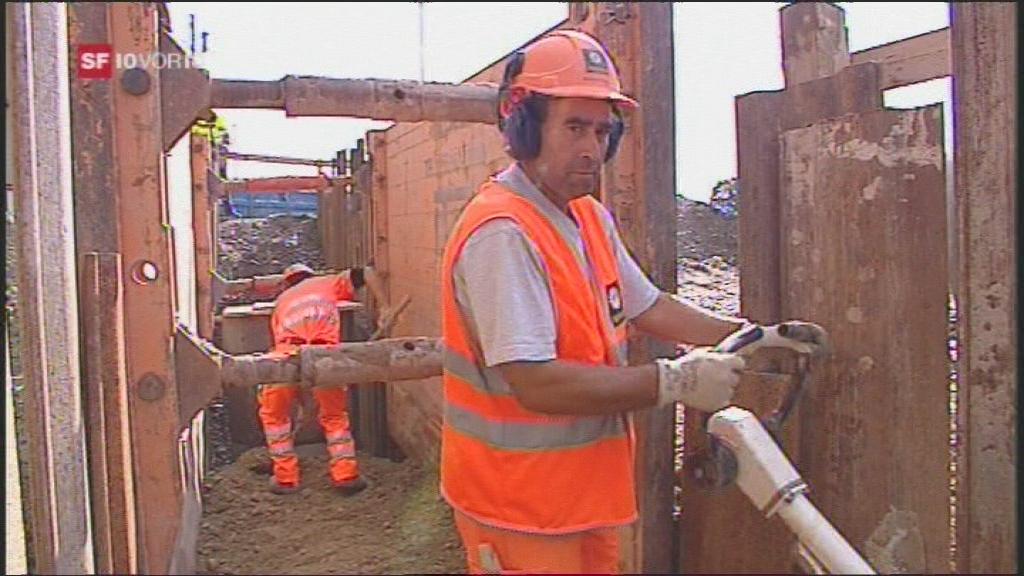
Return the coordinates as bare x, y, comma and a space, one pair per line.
399, 524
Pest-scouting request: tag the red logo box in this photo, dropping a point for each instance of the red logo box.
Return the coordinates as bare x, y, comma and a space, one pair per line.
95, 61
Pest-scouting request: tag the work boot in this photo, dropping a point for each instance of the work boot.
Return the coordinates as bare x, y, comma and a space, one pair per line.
350, 487
282, 489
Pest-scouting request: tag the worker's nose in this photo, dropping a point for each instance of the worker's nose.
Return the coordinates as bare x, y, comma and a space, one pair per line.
591, 150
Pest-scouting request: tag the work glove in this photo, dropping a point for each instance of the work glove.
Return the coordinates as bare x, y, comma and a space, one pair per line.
802, 337
702, 379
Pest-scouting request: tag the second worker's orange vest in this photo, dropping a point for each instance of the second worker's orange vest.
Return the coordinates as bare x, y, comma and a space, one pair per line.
513, 468
307, 313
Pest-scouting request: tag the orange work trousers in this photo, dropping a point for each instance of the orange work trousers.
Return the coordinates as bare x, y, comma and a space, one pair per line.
276, 416
492, 550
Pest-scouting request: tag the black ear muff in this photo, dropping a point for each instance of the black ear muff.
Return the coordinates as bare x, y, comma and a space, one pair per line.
522, 130
518, 121
614, 137
512, 69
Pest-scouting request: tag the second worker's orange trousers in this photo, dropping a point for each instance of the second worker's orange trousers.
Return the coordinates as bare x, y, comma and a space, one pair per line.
275, 415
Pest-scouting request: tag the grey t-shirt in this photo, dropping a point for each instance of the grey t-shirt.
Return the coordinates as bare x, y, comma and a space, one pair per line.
501, 286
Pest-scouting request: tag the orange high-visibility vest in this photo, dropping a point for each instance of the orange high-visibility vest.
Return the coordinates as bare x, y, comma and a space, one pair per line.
307, 313
507, 466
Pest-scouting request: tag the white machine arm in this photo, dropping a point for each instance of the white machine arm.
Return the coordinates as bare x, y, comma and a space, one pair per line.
771, 482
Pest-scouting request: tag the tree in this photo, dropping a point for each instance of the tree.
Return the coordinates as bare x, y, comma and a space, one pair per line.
724, 198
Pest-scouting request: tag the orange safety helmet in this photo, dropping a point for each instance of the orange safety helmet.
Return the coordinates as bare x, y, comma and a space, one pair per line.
562, 64
568, 64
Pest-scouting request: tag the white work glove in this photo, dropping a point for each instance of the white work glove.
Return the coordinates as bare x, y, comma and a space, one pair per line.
702, 379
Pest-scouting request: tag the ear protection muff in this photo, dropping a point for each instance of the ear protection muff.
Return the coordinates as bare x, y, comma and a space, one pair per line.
614, 137
520, 117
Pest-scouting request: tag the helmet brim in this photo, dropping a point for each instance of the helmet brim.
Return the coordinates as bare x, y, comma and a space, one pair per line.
593, 93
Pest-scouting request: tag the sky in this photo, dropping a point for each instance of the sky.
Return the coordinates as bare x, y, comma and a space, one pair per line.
722, 49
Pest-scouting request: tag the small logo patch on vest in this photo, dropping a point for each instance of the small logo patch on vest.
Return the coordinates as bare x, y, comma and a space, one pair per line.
595, 61
615, 307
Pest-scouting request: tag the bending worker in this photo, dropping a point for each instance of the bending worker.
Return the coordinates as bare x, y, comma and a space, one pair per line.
537, 443
306, 313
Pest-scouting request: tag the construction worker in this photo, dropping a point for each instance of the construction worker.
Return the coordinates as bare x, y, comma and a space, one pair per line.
537, 290
306, 312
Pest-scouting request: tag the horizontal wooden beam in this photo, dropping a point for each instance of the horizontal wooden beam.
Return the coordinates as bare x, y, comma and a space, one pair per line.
276, 159
396, 100
911, 60
347, 363
278, 184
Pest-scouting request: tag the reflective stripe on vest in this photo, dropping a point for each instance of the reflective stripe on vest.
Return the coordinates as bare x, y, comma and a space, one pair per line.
505, 465
542, 435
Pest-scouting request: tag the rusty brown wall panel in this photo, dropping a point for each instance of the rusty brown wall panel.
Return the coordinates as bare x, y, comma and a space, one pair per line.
148, 307
984, 49
757, 130
106, 391
864, 255
760, 117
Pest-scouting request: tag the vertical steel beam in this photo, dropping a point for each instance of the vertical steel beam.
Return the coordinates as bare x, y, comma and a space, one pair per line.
62, 542
984, 53
106, 391
96, 233
148, 285
639, 188
814, 41
15, 560
202, 230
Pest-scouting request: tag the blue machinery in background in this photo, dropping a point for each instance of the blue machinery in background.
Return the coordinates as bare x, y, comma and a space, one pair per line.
261, 205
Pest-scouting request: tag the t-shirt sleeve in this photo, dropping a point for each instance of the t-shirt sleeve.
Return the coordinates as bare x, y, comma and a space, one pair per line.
501, 287
638, 292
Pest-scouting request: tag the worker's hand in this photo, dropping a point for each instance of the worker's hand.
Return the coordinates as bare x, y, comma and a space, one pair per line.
702, 379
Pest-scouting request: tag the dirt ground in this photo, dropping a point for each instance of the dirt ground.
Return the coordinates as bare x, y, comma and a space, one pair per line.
398, 525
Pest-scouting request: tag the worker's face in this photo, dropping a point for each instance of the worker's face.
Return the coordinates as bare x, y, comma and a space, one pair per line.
574, 139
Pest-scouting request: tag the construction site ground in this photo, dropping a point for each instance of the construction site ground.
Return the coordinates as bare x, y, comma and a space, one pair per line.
400, 524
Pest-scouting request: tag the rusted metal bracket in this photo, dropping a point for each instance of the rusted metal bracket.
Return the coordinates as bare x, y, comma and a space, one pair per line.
197, 366
615, 12
184, 93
